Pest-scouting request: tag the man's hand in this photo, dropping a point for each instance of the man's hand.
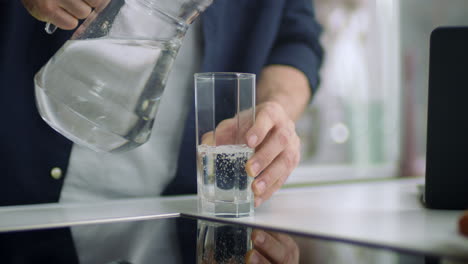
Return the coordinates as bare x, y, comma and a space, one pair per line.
277, 150
282, 95
276, 144
62, 13
271, 247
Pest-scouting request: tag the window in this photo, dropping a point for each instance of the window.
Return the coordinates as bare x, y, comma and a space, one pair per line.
369, 116
352, 129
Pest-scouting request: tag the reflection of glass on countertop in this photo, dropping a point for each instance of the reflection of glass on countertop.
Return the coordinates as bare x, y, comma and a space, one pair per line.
222, 243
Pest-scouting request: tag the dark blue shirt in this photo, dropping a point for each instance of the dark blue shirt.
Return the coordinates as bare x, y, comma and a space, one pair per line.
239, 35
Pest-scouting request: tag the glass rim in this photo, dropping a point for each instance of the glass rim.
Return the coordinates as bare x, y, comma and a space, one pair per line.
224, 75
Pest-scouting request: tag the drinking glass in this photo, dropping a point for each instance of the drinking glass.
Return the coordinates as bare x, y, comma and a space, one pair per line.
225, 111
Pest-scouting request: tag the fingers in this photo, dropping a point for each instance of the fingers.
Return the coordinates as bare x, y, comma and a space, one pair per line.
226, 132
276, 174
270, 135
98, 5
277, 248
63, 19
78, 9
277, 146
264, 122
268, 246
275, 143
208, 139
277, 150
94, 3
62, 13
291, 247
254, 257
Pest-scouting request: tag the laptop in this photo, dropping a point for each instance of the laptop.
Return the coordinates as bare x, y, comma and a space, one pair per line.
446, 184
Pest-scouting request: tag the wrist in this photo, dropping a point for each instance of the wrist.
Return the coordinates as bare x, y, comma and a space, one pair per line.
286, 86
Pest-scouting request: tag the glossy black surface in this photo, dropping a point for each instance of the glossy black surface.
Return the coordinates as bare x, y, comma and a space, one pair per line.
447, 129
187, 240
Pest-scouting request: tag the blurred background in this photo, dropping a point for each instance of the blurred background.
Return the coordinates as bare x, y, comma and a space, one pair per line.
368, 118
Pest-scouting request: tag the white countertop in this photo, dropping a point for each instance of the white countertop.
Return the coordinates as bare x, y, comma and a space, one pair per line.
384, 213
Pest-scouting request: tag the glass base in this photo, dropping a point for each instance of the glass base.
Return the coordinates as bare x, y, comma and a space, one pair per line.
226, 209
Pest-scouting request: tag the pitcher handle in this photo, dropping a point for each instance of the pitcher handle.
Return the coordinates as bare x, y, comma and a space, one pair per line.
50, 28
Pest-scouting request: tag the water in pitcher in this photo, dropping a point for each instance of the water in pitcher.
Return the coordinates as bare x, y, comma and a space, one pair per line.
107, 91
223, 181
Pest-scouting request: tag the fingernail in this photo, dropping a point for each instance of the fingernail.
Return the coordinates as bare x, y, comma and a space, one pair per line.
260, 186
254, 258
254, 169
252, 140
259, 238
258, 201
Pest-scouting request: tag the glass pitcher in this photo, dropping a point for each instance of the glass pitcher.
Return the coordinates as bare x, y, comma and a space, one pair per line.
102, 88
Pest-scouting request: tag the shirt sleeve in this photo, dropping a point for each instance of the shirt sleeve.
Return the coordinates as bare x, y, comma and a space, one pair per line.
297, 43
